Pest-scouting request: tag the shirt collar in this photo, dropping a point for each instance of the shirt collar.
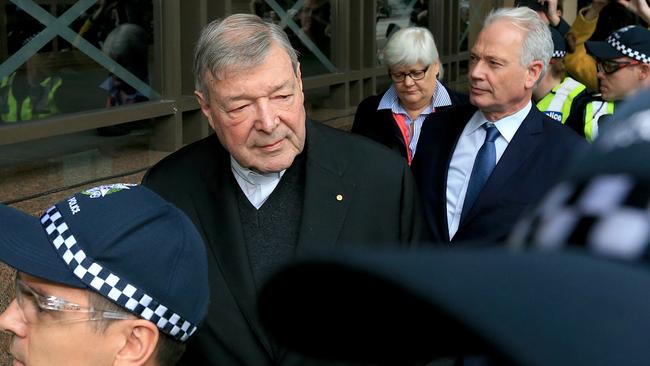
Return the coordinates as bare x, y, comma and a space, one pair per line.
390, 100
252, 177
507, 126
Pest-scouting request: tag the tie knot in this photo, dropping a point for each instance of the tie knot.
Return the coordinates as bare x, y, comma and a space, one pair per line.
491, 132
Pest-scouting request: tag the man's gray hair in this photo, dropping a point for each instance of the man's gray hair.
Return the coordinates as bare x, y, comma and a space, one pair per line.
236, 43
411, 45
538, 44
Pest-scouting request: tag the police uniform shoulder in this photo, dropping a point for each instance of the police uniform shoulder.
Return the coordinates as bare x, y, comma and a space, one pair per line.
584, 98
593, 97
562, 134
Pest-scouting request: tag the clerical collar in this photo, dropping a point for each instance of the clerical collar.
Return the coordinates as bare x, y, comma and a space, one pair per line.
252, 177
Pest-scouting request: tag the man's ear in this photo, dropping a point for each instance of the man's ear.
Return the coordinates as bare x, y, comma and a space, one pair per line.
534, 72
140, 341
644, 74
299, 76
204, 103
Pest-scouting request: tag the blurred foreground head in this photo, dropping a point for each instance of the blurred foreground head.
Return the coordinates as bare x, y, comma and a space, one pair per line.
528, 304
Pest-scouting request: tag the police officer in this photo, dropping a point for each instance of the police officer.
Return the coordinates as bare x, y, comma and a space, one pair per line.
24, 102
623, 62
556, 92
31, 92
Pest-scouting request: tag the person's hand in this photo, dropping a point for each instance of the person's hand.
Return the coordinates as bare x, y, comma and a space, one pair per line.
638, 7
551, 11
594, 9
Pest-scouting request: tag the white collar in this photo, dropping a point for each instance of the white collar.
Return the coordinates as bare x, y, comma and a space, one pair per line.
252, 177
507, 126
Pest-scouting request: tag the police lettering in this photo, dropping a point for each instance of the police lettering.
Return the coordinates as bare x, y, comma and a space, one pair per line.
74, 207
555, 115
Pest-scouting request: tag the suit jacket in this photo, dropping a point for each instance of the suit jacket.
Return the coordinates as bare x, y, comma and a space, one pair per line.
377, 206
380, 126
534, 159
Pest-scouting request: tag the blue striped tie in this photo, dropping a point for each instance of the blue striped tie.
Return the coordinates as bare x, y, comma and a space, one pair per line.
486, 159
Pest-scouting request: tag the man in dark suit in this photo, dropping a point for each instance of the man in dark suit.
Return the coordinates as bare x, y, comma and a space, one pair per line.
271, 183
479, 170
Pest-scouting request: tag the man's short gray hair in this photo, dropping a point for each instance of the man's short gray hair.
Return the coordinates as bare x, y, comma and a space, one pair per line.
411, 45
538, 44
238, 42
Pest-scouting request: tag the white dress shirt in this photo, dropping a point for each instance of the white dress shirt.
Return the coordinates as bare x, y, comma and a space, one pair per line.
462, 161
257, 187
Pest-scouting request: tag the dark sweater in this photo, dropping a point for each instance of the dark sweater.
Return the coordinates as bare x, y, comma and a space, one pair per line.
271, 232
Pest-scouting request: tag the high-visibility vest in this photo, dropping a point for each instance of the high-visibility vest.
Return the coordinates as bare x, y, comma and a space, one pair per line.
593, 111
557, 103
12, 111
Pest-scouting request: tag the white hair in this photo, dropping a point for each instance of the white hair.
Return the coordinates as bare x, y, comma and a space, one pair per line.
538, 43
237, 42
411, 45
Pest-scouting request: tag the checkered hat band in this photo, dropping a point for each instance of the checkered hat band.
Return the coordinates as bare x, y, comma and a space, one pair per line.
559, 54
627, 51
608, 214
108, 283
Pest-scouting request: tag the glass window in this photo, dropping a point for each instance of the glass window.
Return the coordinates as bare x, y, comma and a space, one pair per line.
393, 15
308, 25
70, 56
34, 174
463, 9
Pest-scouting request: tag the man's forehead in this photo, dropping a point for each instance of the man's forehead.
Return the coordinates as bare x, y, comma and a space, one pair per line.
495, 53
275, 56
491, 40
236, 88
504, 30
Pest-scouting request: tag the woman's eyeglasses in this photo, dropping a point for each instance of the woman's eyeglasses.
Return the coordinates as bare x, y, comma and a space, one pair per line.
413, 74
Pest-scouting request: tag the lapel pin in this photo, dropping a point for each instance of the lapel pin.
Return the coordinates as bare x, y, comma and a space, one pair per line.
339, 197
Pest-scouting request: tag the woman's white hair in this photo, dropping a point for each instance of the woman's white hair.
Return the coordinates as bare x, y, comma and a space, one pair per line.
411, 45
538, 43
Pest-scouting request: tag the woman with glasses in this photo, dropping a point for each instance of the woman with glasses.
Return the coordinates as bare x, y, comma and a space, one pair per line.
395, 118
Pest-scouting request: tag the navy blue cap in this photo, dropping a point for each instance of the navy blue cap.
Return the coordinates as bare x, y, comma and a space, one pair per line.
559, 44
122, 241
631, 41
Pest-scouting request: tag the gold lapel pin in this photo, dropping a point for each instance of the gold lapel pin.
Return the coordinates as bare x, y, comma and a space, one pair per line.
339, 197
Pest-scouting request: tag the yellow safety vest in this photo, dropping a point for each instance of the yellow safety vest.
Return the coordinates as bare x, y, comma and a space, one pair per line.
43, 108
593, 112
557, 103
